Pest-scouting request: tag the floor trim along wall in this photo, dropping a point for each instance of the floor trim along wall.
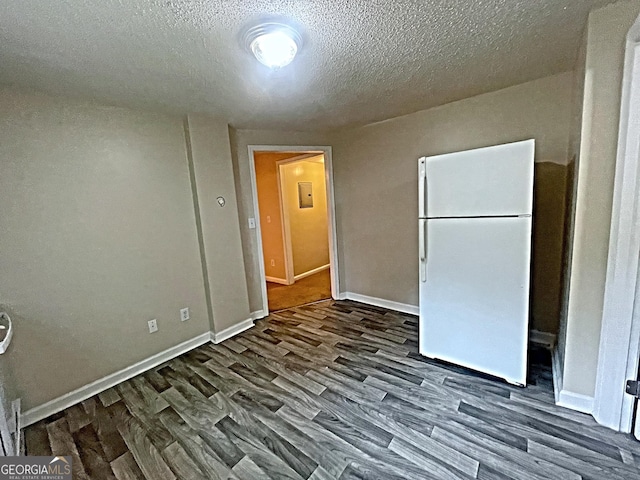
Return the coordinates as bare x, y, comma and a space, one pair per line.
564, 398
258, 314
311, 272
379, 302
557, 373
546, 339
575, 401
58, 404
231, 331
281, 281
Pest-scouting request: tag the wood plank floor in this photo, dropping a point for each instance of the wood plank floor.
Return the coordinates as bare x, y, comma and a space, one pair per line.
330, 390
307, 290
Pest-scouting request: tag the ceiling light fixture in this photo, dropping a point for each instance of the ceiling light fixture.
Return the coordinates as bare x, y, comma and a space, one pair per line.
273, 44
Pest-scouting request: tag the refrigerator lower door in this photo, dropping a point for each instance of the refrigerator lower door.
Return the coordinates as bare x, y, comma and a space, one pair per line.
474, 302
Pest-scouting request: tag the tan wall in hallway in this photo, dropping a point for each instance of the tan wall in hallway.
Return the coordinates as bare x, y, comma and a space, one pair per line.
308, 226
269, 206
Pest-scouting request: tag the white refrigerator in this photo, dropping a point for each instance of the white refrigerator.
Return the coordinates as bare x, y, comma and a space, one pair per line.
475, 218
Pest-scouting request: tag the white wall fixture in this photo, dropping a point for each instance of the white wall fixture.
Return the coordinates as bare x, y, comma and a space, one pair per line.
8, 329
273, 44
153, 325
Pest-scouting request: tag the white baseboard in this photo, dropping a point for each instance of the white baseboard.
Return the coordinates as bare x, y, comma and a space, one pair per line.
258, 314
311, 272
232, 331
565, 398
281, 281
379, 302
575, 401
545, 339
557, 373
56, 405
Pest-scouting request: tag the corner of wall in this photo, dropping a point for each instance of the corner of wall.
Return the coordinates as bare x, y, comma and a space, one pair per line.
219, 227
196, 207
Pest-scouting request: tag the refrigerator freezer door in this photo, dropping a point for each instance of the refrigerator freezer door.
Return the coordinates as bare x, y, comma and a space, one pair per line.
487, 181
474, 305
422, 187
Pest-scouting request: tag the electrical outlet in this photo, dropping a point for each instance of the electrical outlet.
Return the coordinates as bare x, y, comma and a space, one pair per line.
153, 325
273, 262
252, 223
268, 218
184, 314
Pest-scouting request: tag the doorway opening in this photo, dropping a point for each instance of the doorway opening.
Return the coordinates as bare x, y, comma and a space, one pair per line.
295, 223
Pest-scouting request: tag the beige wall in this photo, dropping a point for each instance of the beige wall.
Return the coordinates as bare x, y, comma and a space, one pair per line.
606, 34
240, 140
99, 235
376, 188
270, 214
307, 226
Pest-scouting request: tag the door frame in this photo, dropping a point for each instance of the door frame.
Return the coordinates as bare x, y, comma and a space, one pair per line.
284, 211
620, 334
331, 211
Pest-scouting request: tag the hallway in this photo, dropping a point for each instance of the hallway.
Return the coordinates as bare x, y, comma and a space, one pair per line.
311, 289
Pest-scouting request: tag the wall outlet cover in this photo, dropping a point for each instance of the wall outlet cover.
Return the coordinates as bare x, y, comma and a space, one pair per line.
184, 314
153, 325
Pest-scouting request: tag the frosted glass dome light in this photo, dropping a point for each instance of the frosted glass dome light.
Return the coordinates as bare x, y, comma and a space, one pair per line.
273, 44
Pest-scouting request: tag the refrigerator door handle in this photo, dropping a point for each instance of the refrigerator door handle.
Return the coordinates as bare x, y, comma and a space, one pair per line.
422, 187
423, 250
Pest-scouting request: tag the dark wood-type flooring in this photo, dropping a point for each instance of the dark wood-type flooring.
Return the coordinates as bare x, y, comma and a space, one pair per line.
330, 390
306, 290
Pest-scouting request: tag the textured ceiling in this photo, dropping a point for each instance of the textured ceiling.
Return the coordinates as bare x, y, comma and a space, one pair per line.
362, 61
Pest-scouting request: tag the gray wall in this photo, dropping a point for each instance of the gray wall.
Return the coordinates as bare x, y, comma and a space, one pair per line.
220, 246
99, 235
375, 171
570, 204
606, 36
376, 190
